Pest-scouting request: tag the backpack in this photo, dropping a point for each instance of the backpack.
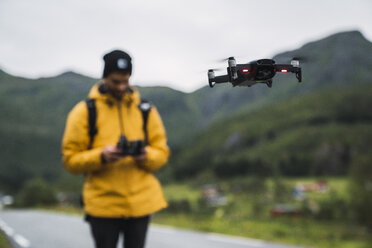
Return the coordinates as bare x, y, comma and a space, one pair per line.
145, 107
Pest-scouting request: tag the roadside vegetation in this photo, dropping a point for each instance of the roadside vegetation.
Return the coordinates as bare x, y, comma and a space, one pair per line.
4, 242
321, 217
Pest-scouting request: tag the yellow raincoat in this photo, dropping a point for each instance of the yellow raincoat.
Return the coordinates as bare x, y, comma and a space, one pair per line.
121, 188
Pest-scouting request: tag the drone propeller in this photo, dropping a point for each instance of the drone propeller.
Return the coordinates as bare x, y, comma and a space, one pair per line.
216, 69
223, 60
226, 59
302, 59
291, 57
213, 69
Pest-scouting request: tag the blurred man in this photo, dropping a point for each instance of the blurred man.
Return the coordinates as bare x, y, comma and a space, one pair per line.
120, 191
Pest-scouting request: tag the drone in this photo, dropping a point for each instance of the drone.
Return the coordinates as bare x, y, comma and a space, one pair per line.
258, 71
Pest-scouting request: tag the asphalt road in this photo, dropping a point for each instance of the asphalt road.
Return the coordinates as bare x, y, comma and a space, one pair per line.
39, 229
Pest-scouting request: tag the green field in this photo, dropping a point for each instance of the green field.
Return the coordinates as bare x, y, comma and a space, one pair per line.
247, 212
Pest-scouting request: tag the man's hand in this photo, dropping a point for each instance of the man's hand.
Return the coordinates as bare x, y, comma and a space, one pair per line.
111, 154
142, 157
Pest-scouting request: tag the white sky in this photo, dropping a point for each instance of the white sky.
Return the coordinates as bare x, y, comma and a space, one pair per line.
173, 43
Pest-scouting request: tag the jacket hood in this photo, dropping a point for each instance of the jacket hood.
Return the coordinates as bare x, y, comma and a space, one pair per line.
99, 92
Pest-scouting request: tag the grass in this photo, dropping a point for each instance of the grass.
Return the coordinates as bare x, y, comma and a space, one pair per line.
294, 231
247, 214
65, 209
4, 242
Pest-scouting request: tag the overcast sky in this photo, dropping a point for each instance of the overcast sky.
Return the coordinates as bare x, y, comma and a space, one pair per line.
173, 43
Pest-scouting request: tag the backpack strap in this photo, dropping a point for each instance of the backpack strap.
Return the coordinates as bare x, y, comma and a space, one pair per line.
92, 116
145, 107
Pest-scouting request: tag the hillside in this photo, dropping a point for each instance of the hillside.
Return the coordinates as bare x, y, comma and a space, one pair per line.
340, 60
317, 134
33, 116
34, 110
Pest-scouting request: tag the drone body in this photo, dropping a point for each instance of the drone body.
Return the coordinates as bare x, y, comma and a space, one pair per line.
259, 71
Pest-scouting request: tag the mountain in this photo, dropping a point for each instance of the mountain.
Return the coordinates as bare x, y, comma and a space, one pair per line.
340, 60
34, 110
315, 134
178, 115
32, 123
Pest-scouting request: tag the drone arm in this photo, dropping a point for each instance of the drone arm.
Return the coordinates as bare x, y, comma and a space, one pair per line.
286, 68
217, 80
289, 68
222, 79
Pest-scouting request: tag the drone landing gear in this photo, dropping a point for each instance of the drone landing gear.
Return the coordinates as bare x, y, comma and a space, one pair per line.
269, 83
299, 76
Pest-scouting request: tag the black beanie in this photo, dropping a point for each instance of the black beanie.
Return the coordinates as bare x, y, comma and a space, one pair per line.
117, 61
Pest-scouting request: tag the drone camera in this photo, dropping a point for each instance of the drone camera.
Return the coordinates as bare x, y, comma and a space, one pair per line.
264, 69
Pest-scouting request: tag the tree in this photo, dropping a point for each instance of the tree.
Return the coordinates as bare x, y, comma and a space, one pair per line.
361, 190
36, 192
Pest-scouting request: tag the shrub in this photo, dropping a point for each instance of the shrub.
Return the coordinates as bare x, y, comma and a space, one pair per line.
333, 208
361, 190
36, 192
179, 206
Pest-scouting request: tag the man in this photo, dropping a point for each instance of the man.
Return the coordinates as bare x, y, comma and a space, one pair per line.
120, 191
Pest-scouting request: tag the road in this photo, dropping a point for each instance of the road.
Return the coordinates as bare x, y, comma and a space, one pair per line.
39, 229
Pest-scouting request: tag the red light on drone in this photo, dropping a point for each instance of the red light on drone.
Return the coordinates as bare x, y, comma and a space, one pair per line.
284, 70
245, 70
